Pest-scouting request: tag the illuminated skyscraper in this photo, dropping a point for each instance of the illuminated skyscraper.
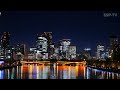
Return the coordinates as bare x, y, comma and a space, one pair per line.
5, 44
113, 43
116, 52
52, 52
48, 36
1, 53
5, 40
64, 48
42, 48
100, 50
33, 50
87, 53
56, 53
42, 44
72, 52
20, 51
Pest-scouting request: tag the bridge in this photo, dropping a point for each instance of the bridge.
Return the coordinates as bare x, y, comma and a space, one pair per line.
71, 63
58, 62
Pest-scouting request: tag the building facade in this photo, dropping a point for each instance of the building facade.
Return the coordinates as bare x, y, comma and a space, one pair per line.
5, 45
87, 53
64, 48
72, 52
116, 53
113, 43
41, 48
100, 52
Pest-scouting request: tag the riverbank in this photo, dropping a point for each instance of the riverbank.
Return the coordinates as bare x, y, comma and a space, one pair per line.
8, 67
106, 69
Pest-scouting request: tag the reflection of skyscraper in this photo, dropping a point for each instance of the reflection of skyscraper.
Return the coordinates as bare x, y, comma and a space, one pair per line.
65, 73
45, 72
52, 71
1, 74
87, 73
73, 72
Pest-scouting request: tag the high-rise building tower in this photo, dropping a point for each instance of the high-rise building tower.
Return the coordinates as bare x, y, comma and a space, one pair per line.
87, 53
5, 40
48, 36
100, 51
41, 44
20, 51
116, 53
42, 48
72, 52
5, 44
113, 43
64, 48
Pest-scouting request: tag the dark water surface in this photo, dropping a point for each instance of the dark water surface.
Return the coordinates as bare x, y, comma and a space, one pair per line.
55, 72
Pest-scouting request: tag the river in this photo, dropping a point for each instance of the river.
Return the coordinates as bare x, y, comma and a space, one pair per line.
53, 71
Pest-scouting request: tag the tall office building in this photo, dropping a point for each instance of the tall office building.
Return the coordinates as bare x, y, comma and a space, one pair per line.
107, 53
5, 45
33, 50
72, 52
56, 52
5, 40
116, 52
64, 48
1, 53
20, 51
100, 51
41, 48
87, 53
113, 42
48, 36
52, 52
41, 44
23, 49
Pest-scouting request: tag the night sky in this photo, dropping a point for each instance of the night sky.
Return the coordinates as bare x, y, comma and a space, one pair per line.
84, 28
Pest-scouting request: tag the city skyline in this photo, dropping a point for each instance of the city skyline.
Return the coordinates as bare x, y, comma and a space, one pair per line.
78, 26
59, 45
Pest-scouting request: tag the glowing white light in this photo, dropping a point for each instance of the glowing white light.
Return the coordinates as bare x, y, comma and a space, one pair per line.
87, 49
109, 56
8, 56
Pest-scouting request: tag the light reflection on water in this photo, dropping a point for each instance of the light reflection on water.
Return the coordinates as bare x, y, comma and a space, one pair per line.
56, 72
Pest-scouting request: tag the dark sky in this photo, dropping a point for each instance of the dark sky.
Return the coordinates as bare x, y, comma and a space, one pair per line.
84, 28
